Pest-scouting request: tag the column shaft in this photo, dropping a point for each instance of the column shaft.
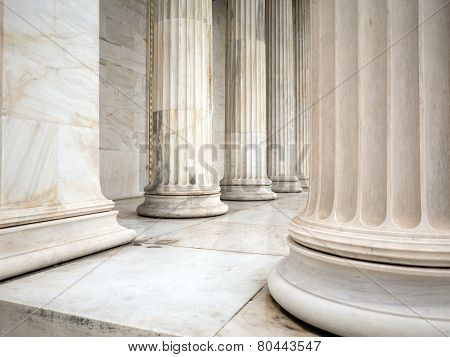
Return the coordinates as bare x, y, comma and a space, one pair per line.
246, 149
302, 44
184, 184
282, 149
377, 224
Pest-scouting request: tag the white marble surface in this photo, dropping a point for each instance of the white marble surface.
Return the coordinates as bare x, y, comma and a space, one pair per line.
123, 97
376, 229
221, 269
245, 175
165, 290
219, 11
302, 62
251, 227
269, 216
183, 183
281, 134
49, 137
50, 108
257, 239
263, 317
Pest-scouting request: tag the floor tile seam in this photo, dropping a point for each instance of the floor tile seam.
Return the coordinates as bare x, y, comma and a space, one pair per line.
214, 250
241, 308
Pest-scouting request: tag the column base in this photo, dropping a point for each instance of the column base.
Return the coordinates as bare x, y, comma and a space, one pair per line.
355, 298
304, 182
35, 246
171, 206
247, 193
286, 185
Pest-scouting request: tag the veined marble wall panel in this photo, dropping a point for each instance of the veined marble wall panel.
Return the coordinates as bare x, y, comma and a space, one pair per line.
123, 97
51, 205
50, 110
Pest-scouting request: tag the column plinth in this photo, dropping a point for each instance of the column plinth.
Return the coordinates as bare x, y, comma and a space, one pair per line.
372, 248
184, 184
282, 150
246, 129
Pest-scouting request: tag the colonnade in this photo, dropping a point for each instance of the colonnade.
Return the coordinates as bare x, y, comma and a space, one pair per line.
347, 97
262, 147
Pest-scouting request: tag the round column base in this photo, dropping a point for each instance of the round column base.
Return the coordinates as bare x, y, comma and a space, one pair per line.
355, 298
171, 206
304, 182
247, 193
286, 185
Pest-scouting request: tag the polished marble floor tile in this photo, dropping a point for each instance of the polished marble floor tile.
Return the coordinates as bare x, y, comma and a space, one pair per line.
191, 277
263, 317
161, 289
257, 216
235, 237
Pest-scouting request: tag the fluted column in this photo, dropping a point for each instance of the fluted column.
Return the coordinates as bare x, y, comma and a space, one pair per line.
282, 165
184, 184
372, 249
246, 129
302, 43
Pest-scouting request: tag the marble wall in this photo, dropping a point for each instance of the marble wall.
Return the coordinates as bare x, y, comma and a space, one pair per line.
123, 97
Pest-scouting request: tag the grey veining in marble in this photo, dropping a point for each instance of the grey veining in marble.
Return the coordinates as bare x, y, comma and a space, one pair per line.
52, 208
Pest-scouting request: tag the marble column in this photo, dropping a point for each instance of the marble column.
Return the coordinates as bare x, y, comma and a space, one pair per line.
246, 127
184, 183
282, 151
371, 253
302, 43
51, 205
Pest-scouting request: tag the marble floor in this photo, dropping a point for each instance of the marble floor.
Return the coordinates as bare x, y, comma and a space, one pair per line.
180, 277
